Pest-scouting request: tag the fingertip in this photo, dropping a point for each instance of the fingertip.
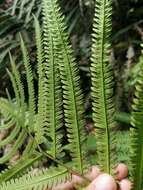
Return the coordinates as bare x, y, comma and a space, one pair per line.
77, 180
125, 184
93, 173
103, 182
121, 171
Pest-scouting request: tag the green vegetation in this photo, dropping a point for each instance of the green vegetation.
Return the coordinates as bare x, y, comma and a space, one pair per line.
47, 118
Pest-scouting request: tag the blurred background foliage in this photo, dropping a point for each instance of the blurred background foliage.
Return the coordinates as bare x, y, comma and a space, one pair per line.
17, 16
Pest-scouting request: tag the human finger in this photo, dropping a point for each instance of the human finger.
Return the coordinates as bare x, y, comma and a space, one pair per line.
125, 184
103, 182
93, 173
121, 171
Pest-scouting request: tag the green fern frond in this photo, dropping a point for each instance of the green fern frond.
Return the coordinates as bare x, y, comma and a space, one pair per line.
13, 121
7, 110
20, 167
49, 116
41, 101
41, 180
102, 84
72, 95
30, 80
10, 138
18, 143
19, 83
15, 87
52, 95
136, 132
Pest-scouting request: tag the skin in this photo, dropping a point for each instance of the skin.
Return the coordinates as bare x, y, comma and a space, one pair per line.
121, 171
99, 181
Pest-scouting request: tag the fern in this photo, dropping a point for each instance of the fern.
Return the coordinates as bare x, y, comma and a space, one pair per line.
52, 95
15, 87
21, 166
72, 95
137, 132
14, 113
41, 180
60, 103
30, 80
41, 83
14, 121
18, 83
102, 85
25, 8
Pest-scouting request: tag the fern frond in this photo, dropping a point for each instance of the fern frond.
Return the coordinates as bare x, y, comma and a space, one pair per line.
52, 95
136, 132
18, 169
10, 138
15, 88
18, 82
41, 103
72, 95
8, 112
13, 120
30, 80
41, 180
18, 143
102, 84
8, 124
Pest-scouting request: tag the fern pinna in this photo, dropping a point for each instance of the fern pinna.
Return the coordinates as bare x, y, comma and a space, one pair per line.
102, 85
136, 132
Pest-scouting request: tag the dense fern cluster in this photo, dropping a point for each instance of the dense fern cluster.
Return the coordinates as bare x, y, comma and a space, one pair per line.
51, 124
58, 90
